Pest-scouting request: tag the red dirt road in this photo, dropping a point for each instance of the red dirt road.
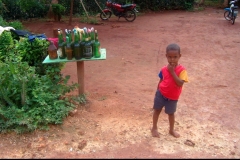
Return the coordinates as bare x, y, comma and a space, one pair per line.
117, 120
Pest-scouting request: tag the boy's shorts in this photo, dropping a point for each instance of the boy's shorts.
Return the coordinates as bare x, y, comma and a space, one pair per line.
160, 101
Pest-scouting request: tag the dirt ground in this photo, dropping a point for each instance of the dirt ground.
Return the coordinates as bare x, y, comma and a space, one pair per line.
117, 120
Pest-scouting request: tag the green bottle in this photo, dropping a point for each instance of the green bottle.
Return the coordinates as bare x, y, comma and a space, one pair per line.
96, 47
71, 41
87, 48
79, 41
77, 54
68, 49
82, 44
61, 45
92, 38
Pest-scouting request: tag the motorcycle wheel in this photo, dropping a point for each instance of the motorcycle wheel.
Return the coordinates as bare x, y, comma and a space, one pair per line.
130, 16
227, 15
106, 15
233, 19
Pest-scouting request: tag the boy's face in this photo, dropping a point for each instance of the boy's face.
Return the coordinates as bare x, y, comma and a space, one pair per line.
173, 56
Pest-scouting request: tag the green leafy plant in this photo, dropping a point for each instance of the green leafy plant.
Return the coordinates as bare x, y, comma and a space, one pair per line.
35, 104
29, 100
214, 3
93, 20
16, 24
34, 53
58, 9
3, 22
89, 19
189, 6
6, 45
200, 8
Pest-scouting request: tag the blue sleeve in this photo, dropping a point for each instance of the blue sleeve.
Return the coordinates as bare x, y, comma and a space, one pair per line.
160, 75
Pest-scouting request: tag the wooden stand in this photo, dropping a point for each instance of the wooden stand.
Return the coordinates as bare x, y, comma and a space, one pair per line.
80, 74
80, 67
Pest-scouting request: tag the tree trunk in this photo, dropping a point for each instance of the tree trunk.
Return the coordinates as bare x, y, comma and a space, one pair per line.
50, 12
71, 13
225, 3
59, 17
201, 1
54, 1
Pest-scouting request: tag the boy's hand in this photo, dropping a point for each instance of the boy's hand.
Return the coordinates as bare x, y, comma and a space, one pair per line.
171, 68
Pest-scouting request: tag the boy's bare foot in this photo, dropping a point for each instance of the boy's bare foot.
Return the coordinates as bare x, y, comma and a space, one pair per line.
174, 134
155, 133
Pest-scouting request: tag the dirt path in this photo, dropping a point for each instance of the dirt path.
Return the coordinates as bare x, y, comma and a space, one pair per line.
120, 90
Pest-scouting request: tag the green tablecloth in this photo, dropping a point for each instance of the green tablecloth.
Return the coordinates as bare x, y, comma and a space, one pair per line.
58, 60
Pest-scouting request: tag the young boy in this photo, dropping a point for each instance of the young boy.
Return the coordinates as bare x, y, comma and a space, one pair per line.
172, 78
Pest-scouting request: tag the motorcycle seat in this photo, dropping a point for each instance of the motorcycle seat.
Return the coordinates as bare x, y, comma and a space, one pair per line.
126, 5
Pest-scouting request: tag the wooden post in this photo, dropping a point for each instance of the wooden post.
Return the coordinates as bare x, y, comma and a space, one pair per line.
80, 74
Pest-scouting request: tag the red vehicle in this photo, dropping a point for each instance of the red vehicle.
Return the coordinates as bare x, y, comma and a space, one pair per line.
128, 11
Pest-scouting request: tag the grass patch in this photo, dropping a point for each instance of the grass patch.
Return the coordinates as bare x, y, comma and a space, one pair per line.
199, 8
89, 19
214, 3
102, 98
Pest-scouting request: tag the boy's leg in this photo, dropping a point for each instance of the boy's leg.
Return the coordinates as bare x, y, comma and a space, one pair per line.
171, 119
157, 108
154, 129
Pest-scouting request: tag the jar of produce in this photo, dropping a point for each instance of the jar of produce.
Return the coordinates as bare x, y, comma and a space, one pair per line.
52, 51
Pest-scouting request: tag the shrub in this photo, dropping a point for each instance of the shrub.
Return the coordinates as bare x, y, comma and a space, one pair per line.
30, 102
30, 99
15, 24
6, 44
3, 22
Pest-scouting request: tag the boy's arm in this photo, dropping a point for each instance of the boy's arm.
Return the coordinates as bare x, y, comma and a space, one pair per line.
159, 83
161, 78
178, 81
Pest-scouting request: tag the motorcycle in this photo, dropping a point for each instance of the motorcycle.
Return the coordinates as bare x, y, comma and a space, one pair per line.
128, 11
230, 13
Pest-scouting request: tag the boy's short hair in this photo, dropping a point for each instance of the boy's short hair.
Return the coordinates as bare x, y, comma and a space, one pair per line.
173, 46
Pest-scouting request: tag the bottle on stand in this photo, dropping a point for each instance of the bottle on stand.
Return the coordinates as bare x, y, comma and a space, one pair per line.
87, 48
96, 46
76, 45
52, 51
92, 36
73, 42
70, 35
61, 45
81, 43
68, 49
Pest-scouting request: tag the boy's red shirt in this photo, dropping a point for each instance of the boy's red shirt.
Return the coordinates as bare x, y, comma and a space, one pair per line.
168, 86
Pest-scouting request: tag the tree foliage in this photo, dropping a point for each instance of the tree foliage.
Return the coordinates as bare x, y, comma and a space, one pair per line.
23, 9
